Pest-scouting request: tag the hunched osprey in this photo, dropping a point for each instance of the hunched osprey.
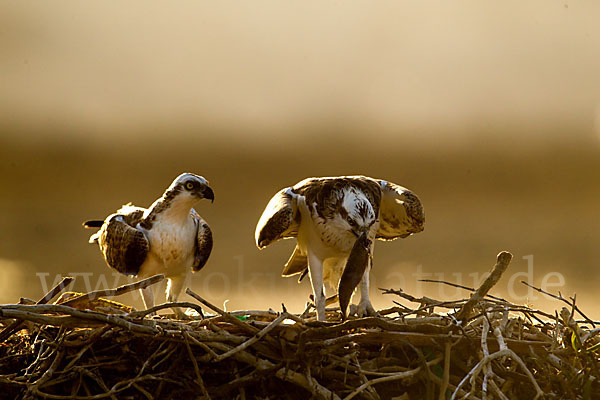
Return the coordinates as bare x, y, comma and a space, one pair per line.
335, 221
168, 238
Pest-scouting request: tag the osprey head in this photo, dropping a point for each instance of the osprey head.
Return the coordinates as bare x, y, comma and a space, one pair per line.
356, 213
192, 186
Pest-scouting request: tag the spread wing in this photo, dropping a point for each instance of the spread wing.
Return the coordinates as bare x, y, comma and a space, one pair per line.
279, 220
123, 245
326, 194
204, 242
401, 213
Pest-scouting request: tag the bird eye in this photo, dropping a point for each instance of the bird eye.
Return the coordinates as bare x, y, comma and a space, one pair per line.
351, 221
189, 186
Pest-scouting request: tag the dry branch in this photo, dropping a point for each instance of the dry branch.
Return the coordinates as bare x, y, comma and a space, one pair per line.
502, 262
114, 292
559, 297
16, 325
69, 353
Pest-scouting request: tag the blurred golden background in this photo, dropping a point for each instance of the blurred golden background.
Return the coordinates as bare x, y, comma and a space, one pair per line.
489, 112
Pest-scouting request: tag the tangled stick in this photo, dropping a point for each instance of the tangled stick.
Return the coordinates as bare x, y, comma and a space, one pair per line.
77, 353
504, 351
114, 292
502, 261
55, 291
400, 375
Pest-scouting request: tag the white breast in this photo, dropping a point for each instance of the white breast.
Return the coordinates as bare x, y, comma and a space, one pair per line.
172, 247
324, 237
329, 240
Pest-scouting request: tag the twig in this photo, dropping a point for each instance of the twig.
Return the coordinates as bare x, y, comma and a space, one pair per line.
73, 318
143, 391
284, 374
497, 391
426, 301
226, 315
456, 285
143, 313
253, 339
486, 353
372, 393
16, 325
502, 262
199, 379
401, 375
559, 297
114, 292
503, 352
125, 355
34, 387
314, 387
446, 375
56, 290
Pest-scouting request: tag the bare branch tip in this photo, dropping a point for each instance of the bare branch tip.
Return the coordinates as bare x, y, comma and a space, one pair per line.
504, 257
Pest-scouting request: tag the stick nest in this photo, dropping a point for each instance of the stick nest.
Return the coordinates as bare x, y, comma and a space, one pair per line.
481, 347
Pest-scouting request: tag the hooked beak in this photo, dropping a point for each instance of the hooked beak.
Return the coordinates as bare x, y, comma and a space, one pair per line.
207, 193
360, 231
363, 239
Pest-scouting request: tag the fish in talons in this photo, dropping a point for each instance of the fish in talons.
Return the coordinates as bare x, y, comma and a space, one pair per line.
357, 263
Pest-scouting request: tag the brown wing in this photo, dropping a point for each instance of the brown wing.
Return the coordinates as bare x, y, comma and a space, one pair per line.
123, 245
204, 243
279, 220
401, 212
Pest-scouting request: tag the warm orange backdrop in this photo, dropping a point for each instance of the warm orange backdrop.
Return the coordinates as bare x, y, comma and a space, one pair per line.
490, 112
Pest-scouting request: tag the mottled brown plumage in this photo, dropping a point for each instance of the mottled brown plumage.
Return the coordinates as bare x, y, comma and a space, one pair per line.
401, 213
324, 193
168, 238
280, 219
401, 210
123, 245
204, 243
327, 215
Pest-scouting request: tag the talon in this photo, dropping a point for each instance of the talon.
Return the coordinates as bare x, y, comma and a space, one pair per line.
366, 310
353, 310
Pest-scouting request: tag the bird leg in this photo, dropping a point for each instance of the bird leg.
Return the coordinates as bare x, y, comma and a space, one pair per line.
148, 297
174, 287
315, 267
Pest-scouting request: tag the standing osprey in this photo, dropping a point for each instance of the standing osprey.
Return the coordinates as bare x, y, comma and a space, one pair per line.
169, 238
336, 221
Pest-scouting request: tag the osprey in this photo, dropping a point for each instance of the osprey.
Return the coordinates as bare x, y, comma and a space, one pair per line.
335, 221
168, 238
